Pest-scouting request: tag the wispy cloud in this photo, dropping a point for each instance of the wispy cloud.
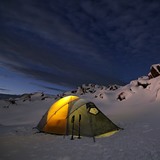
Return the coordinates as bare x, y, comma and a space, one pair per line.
4, 90
48, 87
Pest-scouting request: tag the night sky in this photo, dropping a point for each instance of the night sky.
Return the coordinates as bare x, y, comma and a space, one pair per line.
57, 45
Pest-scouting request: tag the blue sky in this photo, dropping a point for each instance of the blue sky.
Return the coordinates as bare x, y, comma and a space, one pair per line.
55, 46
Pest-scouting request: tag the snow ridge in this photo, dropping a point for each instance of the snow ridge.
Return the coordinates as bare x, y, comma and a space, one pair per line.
150, 87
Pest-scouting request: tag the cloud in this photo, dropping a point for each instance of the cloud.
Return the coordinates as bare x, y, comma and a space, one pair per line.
63, 78
49, 88
79, 41
4, 90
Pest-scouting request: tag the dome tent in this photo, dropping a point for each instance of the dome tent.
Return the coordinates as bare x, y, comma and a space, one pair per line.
73, 115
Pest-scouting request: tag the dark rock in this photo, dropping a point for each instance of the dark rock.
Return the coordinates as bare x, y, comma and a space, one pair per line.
121, 96
144, 85
154, 71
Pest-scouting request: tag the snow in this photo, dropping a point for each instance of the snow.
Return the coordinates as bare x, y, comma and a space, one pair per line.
138, 113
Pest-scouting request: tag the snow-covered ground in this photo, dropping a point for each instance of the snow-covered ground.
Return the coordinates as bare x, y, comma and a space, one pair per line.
134, 107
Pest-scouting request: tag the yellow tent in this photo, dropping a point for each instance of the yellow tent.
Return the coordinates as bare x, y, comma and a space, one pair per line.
73, 115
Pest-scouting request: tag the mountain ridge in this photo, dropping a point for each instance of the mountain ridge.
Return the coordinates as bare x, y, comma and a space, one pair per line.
148, 86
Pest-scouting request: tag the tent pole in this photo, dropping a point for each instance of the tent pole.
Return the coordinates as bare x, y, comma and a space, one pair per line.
72, 121
79, 127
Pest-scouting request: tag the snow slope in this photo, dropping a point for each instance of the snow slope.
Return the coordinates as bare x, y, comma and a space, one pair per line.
134, 107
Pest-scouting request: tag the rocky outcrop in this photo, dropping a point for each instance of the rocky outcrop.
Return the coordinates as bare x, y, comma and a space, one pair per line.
86, 89
154, 71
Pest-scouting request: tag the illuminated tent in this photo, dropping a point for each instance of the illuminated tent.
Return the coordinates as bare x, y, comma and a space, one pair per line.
72, 115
